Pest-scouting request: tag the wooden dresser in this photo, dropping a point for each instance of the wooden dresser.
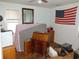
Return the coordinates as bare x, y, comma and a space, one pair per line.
9, 52
27, 42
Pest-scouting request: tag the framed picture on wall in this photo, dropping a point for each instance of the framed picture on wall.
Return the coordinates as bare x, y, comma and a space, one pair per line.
27, 16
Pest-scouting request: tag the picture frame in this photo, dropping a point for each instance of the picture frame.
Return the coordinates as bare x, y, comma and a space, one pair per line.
27, 16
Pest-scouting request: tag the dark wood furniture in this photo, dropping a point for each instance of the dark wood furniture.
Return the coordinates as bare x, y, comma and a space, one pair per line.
51, 36
27, 47
40, 44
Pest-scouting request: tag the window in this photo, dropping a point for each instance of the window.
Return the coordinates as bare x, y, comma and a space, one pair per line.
12, 17
12, 26
12, 14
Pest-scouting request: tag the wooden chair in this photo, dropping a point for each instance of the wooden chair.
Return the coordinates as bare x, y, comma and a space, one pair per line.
40, 44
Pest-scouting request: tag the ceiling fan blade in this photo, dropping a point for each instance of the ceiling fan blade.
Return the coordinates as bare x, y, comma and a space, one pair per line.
45, 1
29, 0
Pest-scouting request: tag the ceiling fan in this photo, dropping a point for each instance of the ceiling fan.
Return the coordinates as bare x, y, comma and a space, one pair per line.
45, 1
39, 1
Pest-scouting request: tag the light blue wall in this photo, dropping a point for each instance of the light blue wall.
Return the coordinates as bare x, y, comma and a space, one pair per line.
67, 33
41, 14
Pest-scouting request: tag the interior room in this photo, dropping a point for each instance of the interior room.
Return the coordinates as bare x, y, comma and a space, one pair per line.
39, 29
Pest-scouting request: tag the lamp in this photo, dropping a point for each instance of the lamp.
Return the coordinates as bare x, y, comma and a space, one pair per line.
39, 1
42, 1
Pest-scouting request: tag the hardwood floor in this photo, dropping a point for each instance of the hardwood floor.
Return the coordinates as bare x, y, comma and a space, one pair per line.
35, 56
28, 56
10, 53
20, 56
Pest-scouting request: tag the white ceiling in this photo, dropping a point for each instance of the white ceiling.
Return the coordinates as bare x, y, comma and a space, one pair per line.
51, 3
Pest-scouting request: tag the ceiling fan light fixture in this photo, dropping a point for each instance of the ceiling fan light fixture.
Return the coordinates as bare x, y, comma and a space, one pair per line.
45, 1
40, 1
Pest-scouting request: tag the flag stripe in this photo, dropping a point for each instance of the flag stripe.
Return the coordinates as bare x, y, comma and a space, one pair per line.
66, 20
66, 11
65, 23
68, 17
70, 13
71, 8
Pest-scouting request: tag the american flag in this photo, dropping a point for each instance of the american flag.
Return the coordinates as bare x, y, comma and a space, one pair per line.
67, 16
